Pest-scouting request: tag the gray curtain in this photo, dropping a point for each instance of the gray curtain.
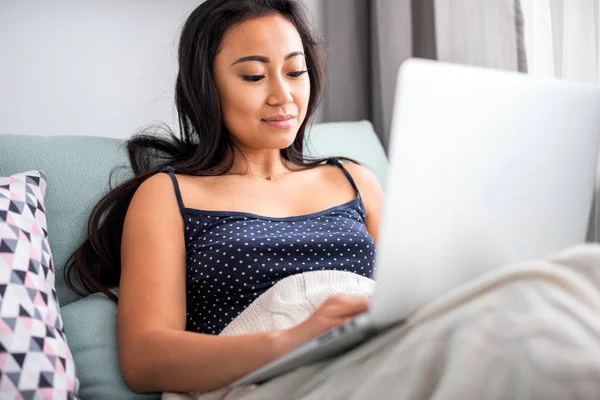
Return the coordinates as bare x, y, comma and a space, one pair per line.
367, 40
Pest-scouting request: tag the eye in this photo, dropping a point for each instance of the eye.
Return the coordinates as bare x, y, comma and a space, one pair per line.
297, 74
252, 78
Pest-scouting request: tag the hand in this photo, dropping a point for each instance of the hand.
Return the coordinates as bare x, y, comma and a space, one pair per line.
336, 310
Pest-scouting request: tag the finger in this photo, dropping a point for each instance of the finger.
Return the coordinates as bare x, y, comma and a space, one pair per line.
352, 307
342, 297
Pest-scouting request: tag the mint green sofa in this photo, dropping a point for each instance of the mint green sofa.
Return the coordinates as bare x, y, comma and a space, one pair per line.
78, 170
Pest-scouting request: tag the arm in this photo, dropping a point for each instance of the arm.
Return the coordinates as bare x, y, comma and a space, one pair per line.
371, 193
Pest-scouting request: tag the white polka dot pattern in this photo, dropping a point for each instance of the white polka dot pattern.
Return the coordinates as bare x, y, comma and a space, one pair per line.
234, 257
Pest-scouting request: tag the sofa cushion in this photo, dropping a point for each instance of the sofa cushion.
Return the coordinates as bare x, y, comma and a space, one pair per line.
35, 360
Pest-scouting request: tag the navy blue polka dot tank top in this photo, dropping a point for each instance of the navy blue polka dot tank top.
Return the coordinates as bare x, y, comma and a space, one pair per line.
234, 257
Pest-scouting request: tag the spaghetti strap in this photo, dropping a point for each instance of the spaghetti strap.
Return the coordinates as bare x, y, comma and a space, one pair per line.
336, 161
171, 172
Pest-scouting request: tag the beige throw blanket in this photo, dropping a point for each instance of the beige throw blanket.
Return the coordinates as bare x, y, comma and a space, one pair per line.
526, 331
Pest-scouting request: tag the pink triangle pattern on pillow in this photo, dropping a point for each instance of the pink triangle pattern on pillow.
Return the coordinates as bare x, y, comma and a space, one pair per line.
35, 359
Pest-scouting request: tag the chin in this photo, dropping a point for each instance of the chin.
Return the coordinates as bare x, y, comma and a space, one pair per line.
281, 139
284, 143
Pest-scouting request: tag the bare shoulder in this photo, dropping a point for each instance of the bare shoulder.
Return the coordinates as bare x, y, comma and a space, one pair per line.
154, 191
155, 199
156, 182
371, 193
365, 179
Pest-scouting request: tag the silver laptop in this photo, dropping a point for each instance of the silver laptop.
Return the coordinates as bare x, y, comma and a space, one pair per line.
487, 168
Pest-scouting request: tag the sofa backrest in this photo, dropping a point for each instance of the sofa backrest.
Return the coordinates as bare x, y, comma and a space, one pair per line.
356, 140
78, 170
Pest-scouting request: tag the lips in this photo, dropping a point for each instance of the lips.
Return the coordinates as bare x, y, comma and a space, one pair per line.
280, 121
280, 117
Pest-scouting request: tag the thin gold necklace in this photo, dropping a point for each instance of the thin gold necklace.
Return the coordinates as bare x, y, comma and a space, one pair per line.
268, 177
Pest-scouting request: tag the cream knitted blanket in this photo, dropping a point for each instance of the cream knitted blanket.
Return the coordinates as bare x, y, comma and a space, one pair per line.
530, 330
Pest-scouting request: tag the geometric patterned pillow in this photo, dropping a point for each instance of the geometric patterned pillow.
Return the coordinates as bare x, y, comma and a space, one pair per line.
35, 360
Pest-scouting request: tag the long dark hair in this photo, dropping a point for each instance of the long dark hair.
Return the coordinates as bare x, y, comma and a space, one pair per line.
203, 142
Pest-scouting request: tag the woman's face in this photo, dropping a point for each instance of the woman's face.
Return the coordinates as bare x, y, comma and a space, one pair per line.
263, 86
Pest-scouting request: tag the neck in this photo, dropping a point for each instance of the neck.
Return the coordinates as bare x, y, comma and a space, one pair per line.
263, 163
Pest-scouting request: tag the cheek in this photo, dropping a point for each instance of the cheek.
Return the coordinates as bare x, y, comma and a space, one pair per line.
303, 97
240, 106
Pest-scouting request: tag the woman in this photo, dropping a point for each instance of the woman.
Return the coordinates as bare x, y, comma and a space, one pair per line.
236, 196
215, 220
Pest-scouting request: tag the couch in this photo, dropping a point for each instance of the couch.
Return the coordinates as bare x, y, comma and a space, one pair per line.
78, 170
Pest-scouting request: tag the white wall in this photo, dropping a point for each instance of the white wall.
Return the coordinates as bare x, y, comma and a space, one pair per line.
102, 68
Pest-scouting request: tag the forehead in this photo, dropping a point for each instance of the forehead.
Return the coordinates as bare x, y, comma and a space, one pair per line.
271, 35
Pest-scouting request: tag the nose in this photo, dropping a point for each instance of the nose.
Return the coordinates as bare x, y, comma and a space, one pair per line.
280, 93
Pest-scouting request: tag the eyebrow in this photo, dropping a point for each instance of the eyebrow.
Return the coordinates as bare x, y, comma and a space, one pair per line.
264, 59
